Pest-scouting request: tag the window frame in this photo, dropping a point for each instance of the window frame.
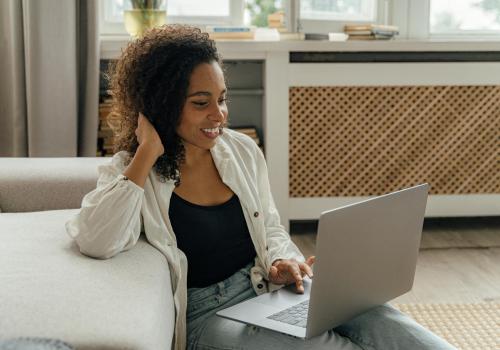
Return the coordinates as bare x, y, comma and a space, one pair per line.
417, 26
326, 26
395, 12
111, 28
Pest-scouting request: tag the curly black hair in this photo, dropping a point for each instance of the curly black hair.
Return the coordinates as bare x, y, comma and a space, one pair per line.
152, 77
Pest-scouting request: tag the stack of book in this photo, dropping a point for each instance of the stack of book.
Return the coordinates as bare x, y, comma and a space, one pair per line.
371, 32
250, 131
105, 135
230, 32
277, 20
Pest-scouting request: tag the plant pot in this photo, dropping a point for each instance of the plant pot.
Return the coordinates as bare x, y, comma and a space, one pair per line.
138, 21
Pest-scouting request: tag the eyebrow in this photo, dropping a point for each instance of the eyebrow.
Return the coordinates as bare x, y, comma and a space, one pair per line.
204, 93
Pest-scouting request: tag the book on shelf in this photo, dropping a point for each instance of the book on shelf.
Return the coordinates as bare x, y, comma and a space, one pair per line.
230, 32
246, 130
105, 135
291, 36
370, 37
249, 131
277, 20
384, 32
371, 32
369, 27
229, 29
315, 36
232, 35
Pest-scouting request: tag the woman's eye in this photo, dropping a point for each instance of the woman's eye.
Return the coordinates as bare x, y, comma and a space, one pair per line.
201, 104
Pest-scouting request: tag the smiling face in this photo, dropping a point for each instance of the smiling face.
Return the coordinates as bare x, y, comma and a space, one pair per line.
205, 110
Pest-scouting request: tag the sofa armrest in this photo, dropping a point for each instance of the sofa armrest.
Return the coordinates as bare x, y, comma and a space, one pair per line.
35, 184
49, 290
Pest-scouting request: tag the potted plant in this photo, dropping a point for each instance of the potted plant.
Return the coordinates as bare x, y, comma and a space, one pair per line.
143, 15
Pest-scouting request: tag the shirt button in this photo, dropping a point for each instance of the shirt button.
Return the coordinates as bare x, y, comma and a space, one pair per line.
256, 214
260, 286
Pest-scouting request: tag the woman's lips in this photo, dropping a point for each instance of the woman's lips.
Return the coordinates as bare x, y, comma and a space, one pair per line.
211, 135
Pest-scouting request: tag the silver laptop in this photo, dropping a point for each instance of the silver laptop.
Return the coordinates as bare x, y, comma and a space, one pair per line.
366, 254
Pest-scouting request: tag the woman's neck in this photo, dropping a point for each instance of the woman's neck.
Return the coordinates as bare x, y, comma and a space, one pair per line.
196, 156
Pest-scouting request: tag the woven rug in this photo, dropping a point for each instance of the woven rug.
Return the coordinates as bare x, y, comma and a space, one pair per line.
466, 326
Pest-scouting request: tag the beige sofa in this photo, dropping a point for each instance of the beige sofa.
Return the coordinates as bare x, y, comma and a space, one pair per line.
49, 289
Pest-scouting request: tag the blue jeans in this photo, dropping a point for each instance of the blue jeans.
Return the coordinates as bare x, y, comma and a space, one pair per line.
382, 328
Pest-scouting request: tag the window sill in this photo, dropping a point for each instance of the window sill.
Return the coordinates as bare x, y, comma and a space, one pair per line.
112, 45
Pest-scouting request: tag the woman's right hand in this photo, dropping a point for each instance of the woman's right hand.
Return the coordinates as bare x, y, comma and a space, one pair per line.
147, 137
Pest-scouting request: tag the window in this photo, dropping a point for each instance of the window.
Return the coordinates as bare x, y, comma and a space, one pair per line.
464, 16
196, 12
416, 19
323, 16
314, 13
447, 19
341, 10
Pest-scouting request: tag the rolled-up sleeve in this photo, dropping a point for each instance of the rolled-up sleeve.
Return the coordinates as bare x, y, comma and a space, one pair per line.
109, 220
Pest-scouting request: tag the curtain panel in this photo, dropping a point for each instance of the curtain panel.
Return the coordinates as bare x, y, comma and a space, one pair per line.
50, 87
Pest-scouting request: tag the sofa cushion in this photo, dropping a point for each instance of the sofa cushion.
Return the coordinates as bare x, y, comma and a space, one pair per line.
50, 290
32, 184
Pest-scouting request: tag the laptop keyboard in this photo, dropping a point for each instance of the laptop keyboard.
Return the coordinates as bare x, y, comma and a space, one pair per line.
295, 315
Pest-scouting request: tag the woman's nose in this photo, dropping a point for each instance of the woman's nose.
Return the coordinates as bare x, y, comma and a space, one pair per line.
218, 113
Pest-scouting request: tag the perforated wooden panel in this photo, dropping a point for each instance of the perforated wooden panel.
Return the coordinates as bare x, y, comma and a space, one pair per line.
361, 141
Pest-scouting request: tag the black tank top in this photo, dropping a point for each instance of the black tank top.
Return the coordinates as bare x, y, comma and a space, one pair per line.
215, 239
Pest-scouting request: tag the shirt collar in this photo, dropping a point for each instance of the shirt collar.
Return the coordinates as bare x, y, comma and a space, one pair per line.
221, 155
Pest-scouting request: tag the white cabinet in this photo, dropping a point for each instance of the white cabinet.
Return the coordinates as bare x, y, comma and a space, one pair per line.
245, 84
260, 77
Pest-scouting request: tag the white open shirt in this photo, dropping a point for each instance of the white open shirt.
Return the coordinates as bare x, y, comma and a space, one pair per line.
113, 216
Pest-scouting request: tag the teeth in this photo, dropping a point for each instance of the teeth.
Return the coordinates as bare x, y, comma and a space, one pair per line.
214, 130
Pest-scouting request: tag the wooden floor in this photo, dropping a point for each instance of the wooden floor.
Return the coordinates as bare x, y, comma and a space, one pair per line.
459, 260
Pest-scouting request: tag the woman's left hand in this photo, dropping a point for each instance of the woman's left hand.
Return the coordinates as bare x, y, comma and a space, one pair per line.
288, 271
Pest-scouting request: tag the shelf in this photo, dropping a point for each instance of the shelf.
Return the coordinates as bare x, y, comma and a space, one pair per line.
246, 92
111, 46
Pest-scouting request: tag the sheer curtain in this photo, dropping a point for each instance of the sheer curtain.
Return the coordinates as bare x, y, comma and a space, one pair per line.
49, 64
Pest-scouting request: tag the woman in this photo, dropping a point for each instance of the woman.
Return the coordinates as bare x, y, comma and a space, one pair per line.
201, 194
